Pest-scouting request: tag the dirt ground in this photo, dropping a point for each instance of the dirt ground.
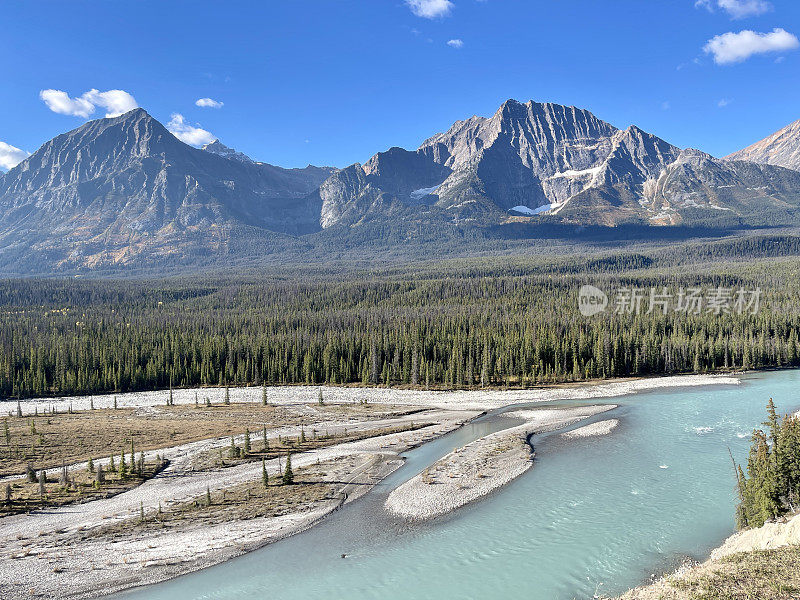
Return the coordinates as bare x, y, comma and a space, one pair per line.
48, 441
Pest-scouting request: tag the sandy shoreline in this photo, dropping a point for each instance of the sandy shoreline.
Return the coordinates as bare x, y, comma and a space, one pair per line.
481, 467
46, 554
595, 429
39, 555
459, 399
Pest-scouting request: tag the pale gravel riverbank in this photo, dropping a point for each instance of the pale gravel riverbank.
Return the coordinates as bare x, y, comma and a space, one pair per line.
461, 399
39, 552
479, 468
97, 568
595, 429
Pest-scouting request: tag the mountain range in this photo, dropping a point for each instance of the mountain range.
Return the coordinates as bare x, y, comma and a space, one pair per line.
121, 192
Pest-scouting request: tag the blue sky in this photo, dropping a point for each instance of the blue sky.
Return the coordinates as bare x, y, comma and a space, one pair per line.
331, 82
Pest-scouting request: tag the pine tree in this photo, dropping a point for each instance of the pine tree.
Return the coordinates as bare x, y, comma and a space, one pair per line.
123, 466
247, 442
141, 511
115, 403
264, 401
227, 396
302, 435
208, 496
42, 481
234, 452
288, 475
266, 439
90, 465
111, 466
8, 494
101, 476
19, 409
320, 400
264, 475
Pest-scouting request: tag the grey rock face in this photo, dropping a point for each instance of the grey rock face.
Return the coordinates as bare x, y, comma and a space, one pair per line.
115, 188
559, 161
782, 148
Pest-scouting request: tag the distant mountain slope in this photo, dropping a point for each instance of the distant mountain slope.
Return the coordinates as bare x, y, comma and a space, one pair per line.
782, 148
538, 160
124, 193
114, 189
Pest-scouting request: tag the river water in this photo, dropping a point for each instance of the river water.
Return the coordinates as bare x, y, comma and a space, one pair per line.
597, 515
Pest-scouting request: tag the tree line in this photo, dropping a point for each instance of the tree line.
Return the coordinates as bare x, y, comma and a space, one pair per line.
433, 328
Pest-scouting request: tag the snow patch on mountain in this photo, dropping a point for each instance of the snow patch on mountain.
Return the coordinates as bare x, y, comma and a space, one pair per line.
419, 194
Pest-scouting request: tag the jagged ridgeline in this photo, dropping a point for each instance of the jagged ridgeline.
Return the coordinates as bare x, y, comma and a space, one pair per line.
124, 193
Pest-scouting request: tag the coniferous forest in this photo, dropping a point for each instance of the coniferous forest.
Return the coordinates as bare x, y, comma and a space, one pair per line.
771, 485
508, 321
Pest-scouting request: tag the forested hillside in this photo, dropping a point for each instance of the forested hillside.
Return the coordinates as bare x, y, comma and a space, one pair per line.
476, 322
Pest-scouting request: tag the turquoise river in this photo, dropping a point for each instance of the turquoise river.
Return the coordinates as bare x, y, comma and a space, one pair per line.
594, 516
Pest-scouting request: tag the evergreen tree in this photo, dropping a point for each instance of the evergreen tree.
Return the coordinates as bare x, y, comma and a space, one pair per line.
264, 401
234, 451
227, 395
288, 475
264, 475
246, 442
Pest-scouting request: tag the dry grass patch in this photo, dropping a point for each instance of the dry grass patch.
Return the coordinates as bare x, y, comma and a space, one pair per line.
47, 441
80, 486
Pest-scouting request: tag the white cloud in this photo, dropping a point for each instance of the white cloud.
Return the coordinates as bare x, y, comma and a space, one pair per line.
116, 102
209, 103
724, 102
430, 9
737, 9
731, 47
455, 43
194, 136
11, 156
60, 102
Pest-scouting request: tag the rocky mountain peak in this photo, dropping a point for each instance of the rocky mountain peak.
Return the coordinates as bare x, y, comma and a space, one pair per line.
782, 148
220, 149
